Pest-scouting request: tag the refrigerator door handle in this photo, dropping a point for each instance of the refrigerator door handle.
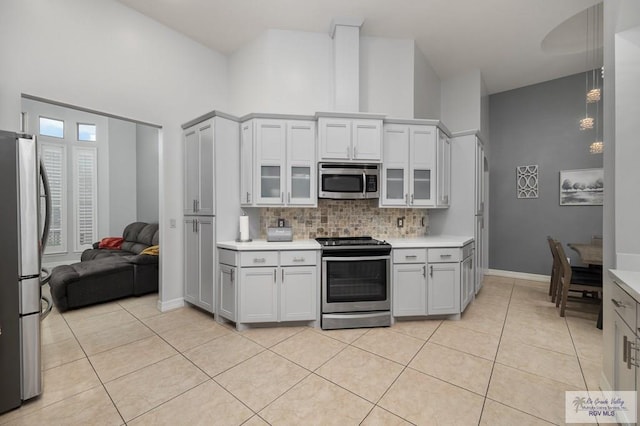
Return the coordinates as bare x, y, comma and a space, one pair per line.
47, 207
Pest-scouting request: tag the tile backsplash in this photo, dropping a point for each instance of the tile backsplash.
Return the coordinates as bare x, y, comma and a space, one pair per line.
346, 218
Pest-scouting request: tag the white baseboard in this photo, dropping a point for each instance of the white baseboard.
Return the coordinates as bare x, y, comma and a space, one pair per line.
517, 275
170, 304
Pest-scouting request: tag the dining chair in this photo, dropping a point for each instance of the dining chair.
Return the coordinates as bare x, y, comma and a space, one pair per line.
568, 280
553, 282
578, 272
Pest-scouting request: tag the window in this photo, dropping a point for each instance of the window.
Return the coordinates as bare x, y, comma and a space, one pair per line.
51, 127
54, 156
85, 196
87, 132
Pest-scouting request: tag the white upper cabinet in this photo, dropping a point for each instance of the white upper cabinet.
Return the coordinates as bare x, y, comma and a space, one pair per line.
246, 164
350, 139
301, 163
444, 170
278, 165
422, 166
395, 168
409, 167
416, 166
270, 138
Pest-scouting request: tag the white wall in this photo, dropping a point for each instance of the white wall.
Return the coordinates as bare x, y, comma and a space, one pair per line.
426, 88
627, 149
117, 61
122, 176
484, 112
386, 76
292, 72
147, 173
286, 72
460, 101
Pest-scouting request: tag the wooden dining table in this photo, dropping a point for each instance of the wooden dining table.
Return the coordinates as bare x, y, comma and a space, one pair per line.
590, 254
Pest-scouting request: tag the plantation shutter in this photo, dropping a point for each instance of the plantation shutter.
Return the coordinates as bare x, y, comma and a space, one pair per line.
85, 196
53, 157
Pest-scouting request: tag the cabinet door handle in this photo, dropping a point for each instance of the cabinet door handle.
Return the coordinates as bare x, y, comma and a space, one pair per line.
364, 185
193, 206
624, 349
406, 198
298, 259
618, 303
274, 276
288, 197
445, 256
413, 256
282, 275
431, 271
233, 275
411, 198
355, 152
247, 196
259, 260
424, 271
282, 197
197, 205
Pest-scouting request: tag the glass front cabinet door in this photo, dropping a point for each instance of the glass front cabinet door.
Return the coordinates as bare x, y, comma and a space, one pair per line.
395, 168
270, 153
422, 140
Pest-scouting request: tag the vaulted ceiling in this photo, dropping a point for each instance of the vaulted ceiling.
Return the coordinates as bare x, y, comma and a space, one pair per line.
514, 43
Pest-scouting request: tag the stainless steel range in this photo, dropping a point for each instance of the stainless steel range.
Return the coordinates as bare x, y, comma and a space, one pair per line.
356, 277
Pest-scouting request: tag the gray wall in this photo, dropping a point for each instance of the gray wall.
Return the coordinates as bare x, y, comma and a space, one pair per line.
147, 172
538, 124
122, 175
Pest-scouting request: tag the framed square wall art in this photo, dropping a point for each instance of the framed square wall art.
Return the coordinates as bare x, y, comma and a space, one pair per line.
582, 187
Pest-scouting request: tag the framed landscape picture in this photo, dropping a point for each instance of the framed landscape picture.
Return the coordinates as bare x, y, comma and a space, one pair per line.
582, 187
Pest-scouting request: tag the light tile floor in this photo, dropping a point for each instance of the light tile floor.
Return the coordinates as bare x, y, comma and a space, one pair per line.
508, 361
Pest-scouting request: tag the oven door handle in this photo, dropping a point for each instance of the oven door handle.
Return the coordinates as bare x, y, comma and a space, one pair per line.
355, 258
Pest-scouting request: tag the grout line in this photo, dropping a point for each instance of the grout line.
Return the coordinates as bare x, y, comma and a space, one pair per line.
493, 365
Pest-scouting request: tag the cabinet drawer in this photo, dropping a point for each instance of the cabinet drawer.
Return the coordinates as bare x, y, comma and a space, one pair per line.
444, 255
298, 258
409, 256
227, 257
259, 258
624, 305
467, 250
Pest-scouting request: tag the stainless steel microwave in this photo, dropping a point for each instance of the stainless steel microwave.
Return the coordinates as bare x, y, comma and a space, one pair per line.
348, 181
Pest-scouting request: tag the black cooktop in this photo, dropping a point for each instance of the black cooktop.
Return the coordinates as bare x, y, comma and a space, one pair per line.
350, 241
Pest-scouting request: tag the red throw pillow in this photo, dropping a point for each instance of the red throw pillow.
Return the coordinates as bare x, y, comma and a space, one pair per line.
113, 243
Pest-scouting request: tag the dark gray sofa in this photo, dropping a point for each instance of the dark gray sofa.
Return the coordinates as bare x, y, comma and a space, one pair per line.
108, 274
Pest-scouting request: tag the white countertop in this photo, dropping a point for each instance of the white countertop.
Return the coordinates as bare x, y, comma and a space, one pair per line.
270, 245
417, 242
430, 241
628, 280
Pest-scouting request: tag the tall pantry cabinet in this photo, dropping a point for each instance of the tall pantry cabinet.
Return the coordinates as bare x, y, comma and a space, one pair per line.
211, 206
467, 212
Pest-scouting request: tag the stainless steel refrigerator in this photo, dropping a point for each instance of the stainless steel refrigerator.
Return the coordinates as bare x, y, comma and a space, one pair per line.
22, 238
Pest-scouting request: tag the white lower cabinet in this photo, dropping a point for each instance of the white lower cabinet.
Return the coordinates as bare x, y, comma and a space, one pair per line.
443, 289
429, 281
199, 275
626, 347
409, 290
284, 289
228, 291
467, 286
